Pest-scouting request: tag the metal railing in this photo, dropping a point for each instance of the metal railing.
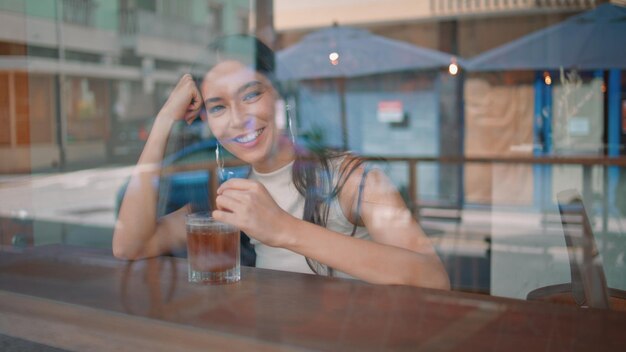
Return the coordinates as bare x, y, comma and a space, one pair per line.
457, 7
587, 163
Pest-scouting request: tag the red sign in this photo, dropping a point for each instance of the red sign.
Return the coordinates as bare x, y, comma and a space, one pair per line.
390, 111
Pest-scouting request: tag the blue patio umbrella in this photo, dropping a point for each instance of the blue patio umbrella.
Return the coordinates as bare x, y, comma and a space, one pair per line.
592, 40
344, 52
359, 53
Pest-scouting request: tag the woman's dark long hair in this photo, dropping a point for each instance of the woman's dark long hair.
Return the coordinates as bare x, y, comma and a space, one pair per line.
314, 174
321, 182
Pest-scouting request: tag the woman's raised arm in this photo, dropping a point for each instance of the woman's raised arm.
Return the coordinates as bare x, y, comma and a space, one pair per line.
138, 233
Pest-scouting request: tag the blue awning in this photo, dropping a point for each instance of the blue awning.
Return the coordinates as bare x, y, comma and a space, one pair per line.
358, 53
592, 40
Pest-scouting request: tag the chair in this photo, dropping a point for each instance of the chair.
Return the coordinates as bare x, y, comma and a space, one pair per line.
588, 287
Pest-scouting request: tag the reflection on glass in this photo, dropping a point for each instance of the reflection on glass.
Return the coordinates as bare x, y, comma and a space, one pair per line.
482, 113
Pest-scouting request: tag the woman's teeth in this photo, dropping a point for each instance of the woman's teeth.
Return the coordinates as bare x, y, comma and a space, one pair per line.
249, 137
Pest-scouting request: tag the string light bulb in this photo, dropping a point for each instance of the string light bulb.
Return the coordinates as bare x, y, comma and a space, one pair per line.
547, 79
334, 58
453, 68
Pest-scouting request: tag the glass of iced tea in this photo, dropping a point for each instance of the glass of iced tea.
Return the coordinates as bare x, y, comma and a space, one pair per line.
212, 250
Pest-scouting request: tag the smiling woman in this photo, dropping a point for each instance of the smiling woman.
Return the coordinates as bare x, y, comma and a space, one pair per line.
241, 110
318, 212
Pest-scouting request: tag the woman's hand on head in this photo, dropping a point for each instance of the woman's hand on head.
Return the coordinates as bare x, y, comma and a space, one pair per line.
249, 206
184, 102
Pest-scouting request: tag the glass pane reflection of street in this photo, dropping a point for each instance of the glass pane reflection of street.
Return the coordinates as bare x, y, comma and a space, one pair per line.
480, 114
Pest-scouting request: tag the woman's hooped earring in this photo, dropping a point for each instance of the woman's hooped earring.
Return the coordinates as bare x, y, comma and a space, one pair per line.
219, 161
290, 124
222, 174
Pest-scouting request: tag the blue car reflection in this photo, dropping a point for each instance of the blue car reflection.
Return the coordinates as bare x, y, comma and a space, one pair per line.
191, 187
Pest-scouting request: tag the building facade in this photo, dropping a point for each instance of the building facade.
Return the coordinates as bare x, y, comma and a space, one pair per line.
81, 79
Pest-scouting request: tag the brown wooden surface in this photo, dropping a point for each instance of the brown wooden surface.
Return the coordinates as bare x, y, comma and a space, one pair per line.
78, 300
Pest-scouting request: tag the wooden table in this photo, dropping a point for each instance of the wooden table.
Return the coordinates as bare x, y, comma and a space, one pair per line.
87, 301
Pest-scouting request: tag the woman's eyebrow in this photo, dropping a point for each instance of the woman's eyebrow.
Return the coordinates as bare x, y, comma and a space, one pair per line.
212, 100
248, 85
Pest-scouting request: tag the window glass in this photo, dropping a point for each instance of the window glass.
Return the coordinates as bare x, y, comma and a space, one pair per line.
480, 113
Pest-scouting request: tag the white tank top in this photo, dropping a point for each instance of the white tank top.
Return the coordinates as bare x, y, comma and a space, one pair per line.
280, 186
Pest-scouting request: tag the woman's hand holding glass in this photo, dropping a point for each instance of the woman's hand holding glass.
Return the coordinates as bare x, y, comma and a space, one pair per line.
247, 205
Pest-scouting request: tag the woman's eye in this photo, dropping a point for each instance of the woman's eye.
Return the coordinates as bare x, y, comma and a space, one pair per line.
216, 109
251, 96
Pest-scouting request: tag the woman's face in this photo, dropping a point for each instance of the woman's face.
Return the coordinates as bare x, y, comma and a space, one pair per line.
240, 108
